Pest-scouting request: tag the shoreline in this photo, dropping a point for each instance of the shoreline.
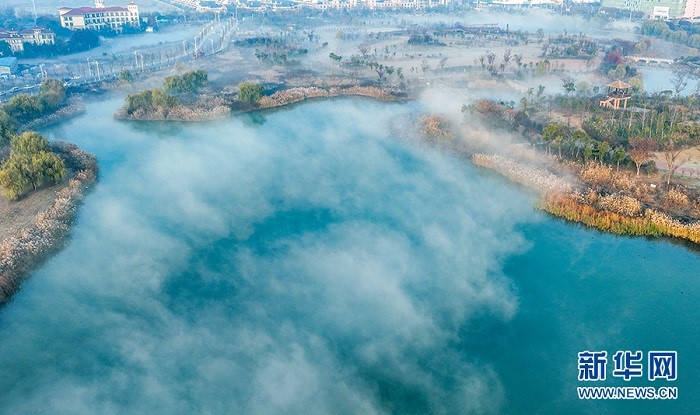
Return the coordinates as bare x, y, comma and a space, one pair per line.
279, 99
614, 213
29, 247
74, 107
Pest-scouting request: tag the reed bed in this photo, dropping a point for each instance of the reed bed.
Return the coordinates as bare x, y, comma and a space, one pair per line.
650, 223
298, 94
435, 127
204, 109
28, 247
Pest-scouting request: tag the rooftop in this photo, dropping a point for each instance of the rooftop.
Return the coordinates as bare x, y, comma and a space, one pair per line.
8, 61
83, 10
619, 85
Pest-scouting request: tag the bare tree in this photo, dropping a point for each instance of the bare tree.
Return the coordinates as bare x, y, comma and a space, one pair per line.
363, 48
679, 79
506, 56
641, 150
672, 151
424, 66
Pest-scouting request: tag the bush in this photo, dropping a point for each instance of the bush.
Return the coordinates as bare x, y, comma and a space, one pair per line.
189, 82
250, 93
31, 166
149, 100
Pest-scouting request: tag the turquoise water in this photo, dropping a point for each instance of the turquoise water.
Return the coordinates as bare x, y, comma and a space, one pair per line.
315, 260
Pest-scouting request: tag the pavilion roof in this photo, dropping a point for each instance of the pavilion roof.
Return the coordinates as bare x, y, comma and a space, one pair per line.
619, 85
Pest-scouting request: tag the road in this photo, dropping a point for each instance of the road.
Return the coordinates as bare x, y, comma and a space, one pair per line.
136, 56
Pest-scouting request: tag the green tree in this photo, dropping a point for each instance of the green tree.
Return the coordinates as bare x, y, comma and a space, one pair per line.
47, 169
189, 82
161, 99
637, 84
7, 128
588, 150
13, 179
618, 156
554, 135
601, 149
250, 93
23, 107
30, 166
29, 143
126, 75
52, 92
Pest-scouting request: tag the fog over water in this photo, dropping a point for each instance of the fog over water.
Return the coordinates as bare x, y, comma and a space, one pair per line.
314, 260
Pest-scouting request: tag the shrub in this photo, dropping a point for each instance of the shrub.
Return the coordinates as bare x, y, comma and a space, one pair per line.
250, 93
30, 166
189, 82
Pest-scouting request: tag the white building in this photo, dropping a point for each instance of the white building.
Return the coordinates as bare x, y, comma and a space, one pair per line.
692, 9
526, 2
99, 17
35, 36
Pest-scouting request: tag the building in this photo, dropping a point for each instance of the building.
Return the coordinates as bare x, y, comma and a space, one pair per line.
658, 9
692, 9
8, 66
520, 3
329, 4
99, 17
35, 36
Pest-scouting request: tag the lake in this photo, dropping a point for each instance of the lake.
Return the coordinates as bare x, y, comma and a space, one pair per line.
317, 259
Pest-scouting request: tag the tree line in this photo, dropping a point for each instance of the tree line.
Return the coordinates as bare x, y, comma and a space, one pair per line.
622, 138
26, 107
30, 164
164, 98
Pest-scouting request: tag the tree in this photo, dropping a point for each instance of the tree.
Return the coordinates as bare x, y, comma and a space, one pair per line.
554, 134
7, 128
83, 40
637, 84
250, 93
29, 143
601, 149
672, 151
52, 92
47, 169
641, 150
618, 156
126, 75
679, 79
540, 34
13, 180
588, 150
364, 49
30, 166
23, 107
335, 57
189, 82
148, 100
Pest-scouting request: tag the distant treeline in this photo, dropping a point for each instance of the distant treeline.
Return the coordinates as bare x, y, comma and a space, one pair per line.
682, 32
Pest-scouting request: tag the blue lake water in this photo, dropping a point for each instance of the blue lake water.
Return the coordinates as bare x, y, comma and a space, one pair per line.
312, 260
